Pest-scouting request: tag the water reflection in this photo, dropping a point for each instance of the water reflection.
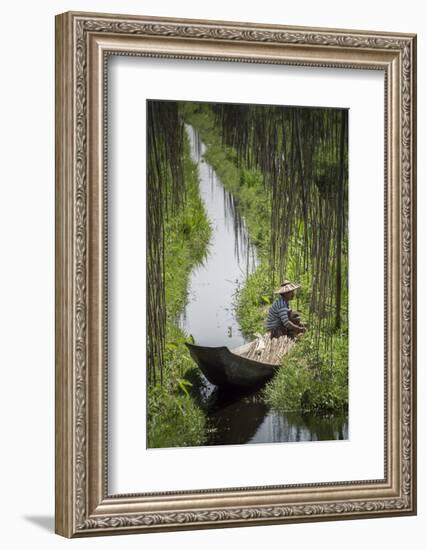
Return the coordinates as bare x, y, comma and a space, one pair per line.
230, 425
240, 416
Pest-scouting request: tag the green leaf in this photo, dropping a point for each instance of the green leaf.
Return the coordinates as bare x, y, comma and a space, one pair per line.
183, 384
172, 345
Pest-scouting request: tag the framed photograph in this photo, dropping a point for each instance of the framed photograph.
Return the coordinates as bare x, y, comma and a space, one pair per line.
235, 274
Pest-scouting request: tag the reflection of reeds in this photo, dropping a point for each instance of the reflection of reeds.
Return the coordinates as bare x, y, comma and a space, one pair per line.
165, 192
302, 153
245, 253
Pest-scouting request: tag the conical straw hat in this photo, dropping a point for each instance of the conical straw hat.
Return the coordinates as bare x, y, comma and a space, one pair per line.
287, 286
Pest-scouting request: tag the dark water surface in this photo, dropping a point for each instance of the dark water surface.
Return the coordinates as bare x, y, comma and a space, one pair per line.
209, 316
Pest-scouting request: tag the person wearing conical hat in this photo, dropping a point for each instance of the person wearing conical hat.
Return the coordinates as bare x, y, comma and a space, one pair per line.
281, 320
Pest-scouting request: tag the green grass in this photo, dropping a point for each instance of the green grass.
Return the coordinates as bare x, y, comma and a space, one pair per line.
174, 418
311, 380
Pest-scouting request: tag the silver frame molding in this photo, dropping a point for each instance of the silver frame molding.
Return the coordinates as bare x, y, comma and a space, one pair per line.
83, 43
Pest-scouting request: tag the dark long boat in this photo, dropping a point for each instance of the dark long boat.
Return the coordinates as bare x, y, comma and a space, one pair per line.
223, 367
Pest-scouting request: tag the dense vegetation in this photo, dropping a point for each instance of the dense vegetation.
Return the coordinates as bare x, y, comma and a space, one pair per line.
286, 169
174, 419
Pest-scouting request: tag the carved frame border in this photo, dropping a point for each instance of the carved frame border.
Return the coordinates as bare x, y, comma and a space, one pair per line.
83, 43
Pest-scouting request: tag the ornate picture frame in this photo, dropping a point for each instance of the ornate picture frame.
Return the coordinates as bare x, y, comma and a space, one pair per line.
84, 42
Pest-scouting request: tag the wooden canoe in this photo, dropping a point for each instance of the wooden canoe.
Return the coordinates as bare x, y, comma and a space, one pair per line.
248, 366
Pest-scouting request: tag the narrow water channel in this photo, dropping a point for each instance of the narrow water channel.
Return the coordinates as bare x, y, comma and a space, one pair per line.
209, 316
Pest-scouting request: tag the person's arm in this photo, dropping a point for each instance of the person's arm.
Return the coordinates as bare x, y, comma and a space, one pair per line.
296, 328
286, 322
296, 319
284, 314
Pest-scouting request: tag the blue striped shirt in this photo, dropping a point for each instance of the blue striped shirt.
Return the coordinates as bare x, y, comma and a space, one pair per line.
278, 314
